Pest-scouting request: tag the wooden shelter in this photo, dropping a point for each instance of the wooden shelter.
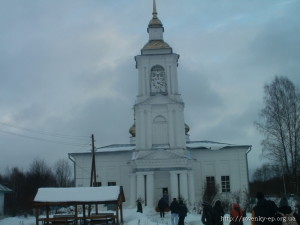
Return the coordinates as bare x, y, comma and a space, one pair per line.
80, 198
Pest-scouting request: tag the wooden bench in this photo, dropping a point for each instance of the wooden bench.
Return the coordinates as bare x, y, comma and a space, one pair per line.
101, 218
60, 220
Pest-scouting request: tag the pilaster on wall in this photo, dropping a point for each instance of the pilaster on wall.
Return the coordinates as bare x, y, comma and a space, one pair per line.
133, 185
191, 187
150, 189
184, 185
145, 188
174, 184
140, 186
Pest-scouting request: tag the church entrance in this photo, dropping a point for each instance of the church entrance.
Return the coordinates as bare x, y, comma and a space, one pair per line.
165, 194
162, 184
165, 190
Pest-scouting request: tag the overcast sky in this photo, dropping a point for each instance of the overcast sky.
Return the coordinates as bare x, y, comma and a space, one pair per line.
67, 70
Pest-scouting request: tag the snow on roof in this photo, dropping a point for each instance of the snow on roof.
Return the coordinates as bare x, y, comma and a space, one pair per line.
116, 148
78, 194
4, 189
210, 145
110, 148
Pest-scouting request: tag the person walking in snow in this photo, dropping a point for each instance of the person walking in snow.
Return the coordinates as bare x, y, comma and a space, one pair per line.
162, 206
174, 207
182, 212
218, 213
236, 215
207, 214
166, 197
139, 206
288, 217
264, 209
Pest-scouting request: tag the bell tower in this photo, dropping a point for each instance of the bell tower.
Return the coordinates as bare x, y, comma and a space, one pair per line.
159, 120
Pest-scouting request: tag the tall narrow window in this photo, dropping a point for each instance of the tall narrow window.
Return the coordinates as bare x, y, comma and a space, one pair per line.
160, 131
210, 183
158, 82
225, 182
210, 190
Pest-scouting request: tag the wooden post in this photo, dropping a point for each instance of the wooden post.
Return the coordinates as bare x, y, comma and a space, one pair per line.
47, 213
76, 214
83, 211
117, 214
37, 216
121, 211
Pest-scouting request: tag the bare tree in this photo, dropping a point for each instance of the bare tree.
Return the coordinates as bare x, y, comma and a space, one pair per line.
266, 172
280, 125
210, 191
62, 173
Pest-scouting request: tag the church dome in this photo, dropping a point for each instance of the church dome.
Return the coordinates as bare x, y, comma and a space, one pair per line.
186, 128
155, 22
156, 44
132, 130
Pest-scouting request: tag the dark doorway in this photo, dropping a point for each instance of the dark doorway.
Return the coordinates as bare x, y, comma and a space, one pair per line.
165, 191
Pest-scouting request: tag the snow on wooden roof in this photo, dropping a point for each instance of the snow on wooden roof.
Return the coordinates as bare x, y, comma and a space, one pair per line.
78, 194
4, 189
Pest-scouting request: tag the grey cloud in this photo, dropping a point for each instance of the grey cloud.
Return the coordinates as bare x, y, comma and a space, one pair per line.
68, 67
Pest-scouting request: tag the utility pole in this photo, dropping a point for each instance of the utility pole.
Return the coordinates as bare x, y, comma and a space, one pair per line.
93, 172
93, 169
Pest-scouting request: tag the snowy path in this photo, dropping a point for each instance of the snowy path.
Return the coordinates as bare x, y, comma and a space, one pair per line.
131, 217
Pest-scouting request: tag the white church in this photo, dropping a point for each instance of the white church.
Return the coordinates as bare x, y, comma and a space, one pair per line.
160, 158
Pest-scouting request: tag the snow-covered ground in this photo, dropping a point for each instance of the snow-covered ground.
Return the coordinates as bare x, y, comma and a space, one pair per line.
131, 217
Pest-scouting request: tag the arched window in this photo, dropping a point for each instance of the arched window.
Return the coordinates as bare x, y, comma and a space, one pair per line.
160, 131
158, 82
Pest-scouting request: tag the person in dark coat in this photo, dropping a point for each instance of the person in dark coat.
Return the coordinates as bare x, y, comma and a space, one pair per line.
207, 214
162, 206
174, 207
264, 209
139, 206
182, 212
166, 197
218, 213
286, 212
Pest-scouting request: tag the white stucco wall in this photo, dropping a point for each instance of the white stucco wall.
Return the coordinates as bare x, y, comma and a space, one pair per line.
110, 167
226, 162
117, 167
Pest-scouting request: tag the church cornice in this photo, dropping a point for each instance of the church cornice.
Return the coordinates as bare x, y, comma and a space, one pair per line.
162, 169
154, 100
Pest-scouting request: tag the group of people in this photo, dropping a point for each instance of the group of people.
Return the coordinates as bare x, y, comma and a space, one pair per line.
272, 214
178, 210
212, 215
265, 212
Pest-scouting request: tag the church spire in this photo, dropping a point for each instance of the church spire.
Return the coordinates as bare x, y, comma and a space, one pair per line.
154, 13
155, 22
155, 27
